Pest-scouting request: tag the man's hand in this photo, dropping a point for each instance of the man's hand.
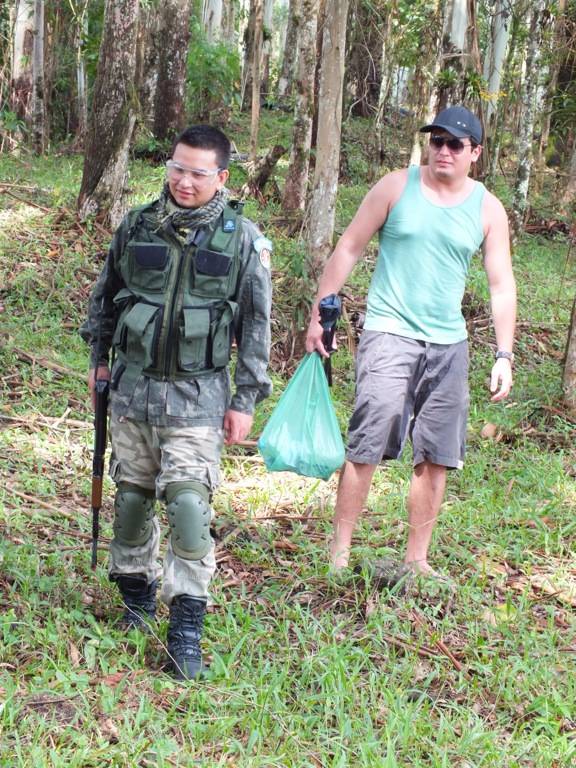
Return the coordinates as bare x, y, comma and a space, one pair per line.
103, 373
237, 426
314, 335
501, 379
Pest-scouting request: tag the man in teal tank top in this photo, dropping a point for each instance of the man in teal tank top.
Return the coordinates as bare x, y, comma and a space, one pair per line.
412, 362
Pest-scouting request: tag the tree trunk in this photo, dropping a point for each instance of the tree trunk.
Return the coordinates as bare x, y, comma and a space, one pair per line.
229, 22
429, 55
294, 197
212, 20
496, 126
147, 61
169, 113
569, 194
559, 42
528, 116
102, 191
569, 374
494, 61
286, 78
81, 90
384, 92
256, 75
266, 51
21, 66
248, 64
38, 113
322, 204
454, 54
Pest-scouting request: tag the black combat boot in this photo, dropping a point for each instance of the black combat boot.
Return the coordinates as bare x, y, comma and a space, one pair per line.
139, 601
184, 634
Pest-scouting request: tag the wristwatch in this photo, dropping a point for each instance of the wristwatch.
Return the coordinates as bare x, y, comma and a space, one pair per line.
506, 355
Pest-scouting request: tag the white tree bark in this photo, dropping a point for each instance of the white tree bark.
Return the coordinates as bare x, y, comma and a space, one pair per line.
569, 374
212, 12
528, 93
256, 77
38, 112
496, 57
322, 204
294, 197
81, 90
229, 14
21, 59
290, 52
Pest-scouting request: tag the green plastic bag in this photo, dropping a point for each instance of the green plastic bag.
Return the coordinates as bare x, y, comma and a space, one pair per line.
302, 434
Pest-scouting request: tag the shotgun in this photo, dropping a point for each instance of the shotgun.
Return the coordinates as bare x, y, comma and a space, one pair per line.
101, 393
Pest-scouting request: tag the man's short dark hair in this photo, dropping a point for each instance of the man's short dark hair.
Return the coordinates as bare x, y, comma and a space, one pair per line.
206, 137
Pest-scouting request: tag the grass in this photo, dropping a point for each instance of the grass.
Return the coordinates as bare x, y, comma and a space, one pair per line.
306, 670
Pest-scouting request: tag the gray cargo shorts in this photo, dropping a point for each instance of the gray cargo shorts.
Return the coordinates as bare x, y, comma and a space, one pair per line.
406, 387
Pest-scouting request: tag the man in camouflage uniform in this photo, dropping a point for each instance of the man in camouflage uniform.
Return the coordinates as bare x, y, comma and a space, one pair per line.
185, 275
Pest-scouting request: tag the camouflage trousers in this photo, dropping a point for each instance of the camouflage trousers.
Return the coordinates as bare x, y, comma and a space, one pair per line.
152, 458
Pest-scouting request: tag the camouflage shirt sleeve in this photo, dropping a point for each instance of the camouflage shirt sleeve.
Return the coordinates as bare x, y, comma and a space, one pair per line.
101, 319
252, 327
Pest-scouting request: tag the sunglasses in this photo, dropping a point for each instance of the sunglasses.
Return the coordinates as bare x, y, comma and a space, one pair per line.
454, 145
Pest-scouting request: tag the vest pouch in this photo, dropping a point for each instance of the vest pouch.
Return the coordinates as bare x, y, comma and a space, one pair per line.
123, 302
142, 323
222, 334
193, 339
149, 265
213, 272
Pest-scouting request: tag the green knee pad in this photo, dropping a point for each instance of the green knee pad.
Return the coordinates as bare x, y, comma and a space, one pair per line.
134, 513
189, 515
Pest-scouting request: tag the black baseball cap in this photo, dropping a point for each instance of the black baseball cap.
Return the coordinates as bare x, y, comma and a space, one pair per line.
458, 121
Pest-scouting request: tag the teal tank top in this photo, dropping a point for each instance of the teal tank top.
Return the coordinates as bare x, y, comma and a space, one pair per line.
424, 255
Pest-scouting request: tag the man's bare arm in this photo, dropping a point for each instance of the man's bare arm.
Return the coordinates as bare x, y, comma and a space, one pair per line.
370, 216
502, 286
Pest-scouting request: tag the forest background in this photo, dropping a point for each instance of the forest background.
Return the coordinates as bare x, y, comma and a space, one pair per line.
321, 97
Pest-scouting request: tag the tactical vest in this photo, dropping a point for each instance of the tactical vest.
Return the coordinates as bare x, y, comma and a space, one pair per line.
176, 313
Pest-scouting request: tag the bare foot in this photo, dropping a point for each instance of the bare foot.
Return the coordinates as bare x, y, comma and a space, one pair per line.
339, 556
423, 568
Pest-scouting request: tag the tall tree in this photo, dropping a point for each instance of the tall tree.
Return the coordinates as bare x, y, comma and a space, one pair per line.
454, 55
294, 197
38, 113
169, 115
569, 375
286, 77
256, 76
113, 116
528, 114
322, 204
495, 58
427, 65
212, 14
147, 61
21, 65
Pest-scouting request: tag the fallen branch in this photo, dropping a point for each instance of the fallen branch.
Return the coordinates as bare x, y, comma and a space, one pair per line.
22, 200
260, 171
45, 363
49, 421
419, 621
44, 504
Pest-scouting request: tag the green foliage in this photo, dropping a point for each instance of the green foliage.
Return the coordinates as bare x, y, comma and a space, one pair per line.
213, 79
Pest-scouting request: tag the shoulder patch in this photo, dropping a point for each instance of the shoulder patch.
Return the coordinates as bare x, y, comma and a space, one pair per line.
263, 247
265, 258
229, 225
